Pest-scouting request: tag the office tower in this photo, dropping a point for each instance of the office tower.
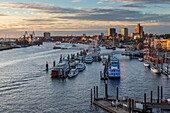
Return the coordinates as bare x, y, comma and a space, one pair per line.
111, 31
125, 32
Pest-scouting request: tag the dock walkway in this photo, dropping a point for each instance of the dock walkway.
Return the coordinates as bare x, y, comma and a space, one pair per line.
108, 107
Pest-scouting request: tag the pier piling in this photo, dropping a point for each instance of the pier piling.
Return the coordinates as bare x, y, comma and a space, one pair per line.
132, 105
158, 95
106, 90
46, 66
117, 96
96, 92
91, 96
151, 97
129, 105
54, 63
161, 92
144, 106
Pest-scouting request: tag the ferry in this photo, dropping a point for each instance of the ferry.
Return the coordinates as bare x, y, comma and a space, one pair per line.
60, 70
88, 59
114, 68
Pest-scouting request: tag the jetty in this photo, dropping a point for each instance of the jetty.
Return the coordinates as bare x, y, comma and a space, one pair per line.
117, 104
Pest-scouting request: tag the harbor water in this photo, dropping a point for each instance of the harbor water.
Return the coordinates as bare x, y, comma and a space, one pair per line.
25, 86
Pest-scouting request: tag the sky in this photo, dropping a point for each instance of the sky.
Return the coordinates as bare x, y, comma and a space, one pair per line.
74, 17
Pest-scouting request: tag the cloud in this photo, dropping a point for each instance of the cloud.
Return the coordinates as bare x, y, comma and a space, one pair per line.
40, 7
76, 0
3, 14
137, 1
119, 15
131, 6
39, 20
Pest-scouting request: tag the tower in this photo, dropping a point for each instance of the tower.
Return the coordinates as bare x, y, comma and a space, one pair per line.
111, 31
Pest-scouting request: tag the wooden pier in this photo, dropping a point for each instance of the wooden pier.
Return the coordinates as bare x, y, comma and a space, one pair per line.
116, 104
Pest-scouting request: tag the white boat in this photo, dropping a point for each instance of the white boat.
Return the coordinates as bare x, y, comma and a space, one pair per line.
89, 59
146, 64
140, 59
73, 73
155, 70
80, 66
73, 64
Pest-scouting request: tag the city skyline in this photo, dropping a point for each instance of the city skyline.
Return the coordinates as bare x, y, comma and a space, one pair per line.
82, 16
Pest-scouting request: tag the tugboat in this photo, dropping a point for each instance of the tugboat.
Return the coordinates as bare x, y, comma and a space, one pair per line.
114, 68
61, 70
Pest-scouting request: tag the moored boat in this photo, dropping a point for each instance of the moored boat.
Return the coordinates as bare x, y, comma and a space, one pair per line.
140, 59
55, 47
73, 45
73, 64
88, 59
114, 68
146, 64
155, 70
60, 70
80, 67
166, 101
73, 73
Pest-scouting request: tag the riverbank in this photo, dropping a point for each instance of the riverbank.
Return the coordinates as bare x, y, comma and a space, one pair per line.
13, 47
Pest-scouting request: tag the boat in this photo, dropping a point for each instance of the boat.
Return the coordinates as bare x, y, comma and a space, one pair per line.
73, 45
60, 70
166, 101
88, 59
109, 47
55, 47
73, 73
73, 64
114, 68
155, 70
64, 48
81, 66
140, 59
146, 64
58, 43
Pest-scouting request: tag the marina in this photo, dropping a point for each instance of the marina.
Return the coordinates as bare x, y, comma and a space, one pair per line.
38, 92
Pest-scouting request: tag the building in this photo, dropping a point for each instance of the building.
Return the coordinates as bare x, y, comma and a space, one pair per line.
125, 32
165, 43
47, 35
139, 30
111, 31
100, 37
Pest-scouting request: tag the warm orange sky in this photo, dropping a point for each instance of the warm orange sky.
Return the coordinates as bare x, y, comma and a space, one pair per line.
82, 15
